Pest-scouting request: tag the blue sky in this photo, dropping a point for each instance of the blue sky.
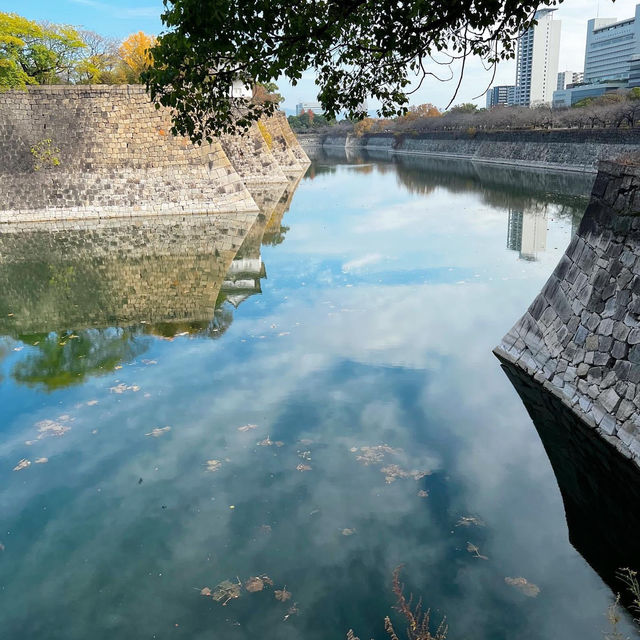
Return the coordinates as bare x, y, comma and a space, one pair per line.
119, 18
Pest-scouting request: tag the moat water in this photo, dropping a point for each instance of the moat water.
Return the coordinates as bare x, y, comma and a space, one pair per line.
308, 398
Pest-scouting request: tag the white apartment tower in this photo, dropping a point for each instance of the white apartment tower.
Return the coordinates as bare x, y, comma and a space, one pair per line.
565, 78
537, 61
610, 47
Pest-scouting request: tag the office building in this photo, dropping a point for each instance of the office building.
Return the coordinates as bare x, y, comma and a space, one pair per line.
502, 94
610, 46
568, 97
537, 61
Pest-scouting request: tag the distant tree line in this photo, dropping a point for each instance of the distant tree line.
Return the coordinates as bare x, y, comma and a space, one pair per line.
310, 121
46, 53
618, 109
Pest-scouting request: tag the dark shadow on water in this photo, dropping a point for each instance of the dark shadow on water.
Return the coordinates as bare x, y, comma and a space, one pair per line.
600, 487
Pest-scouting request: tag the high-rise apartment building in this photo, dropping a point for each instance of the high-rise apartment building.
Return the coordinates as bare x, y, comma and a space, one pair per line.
565, 78
537, 61
610, 46
500, 94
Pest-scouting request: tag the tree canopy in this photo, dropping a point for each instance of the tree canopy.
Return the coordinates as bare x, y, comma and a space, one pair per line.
46, 53
359, 49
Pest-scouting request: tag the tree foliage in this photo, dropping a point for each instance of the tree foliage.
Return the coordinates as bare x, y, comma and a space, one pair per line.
45, 53
358, 49
35, 53
135, 52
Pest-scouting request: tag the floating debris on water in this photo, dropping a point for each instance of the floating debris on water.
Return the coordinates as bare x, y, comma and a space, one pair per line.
149, 362
92, 403
52, 428
247, 427
157, 432
303, 467
227, 591
214, 465
423, 493
522, 584
348, 532
305, 455
292, 611
375, 454
473, 549
467, 521
254, 584
122, 388
41, 460
393, 472
23, 464
282, 594
267, 442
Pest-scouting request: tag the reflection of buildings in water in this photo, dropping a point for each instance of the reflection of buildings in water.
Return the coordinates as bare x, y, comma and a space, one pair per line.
527, 232
600, 487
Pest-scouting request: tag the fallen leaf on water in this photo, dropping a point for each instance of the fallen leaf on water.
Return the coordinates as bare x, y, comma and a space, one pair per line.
528, 588
282, 595
292, 611
472, 548
423, 494
213, 465
467, 521
41, 460
392, 472
267, 442
122, 388
205, 591
23, 464
375, 454
157, 432
51, 428
226, 591
247, 427
303, 467
254, 584
348, 532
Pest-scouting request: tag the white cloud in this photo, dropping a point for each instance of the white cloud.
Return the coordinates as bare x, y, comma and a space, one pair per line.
359, 263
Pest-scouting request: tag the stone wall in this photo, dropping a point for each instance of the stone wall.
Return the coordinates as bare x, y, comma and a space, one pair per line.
115, 156
252, 159
83, 274
576, 150
580, 338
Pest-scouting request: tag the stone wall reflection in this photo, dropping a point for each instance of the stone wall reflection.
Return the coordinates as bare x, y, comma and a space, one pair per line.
86, 295
599, 486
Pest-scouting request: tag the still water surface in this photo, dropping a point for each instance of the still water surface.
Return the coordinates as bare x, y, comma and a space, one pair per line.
202, 401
